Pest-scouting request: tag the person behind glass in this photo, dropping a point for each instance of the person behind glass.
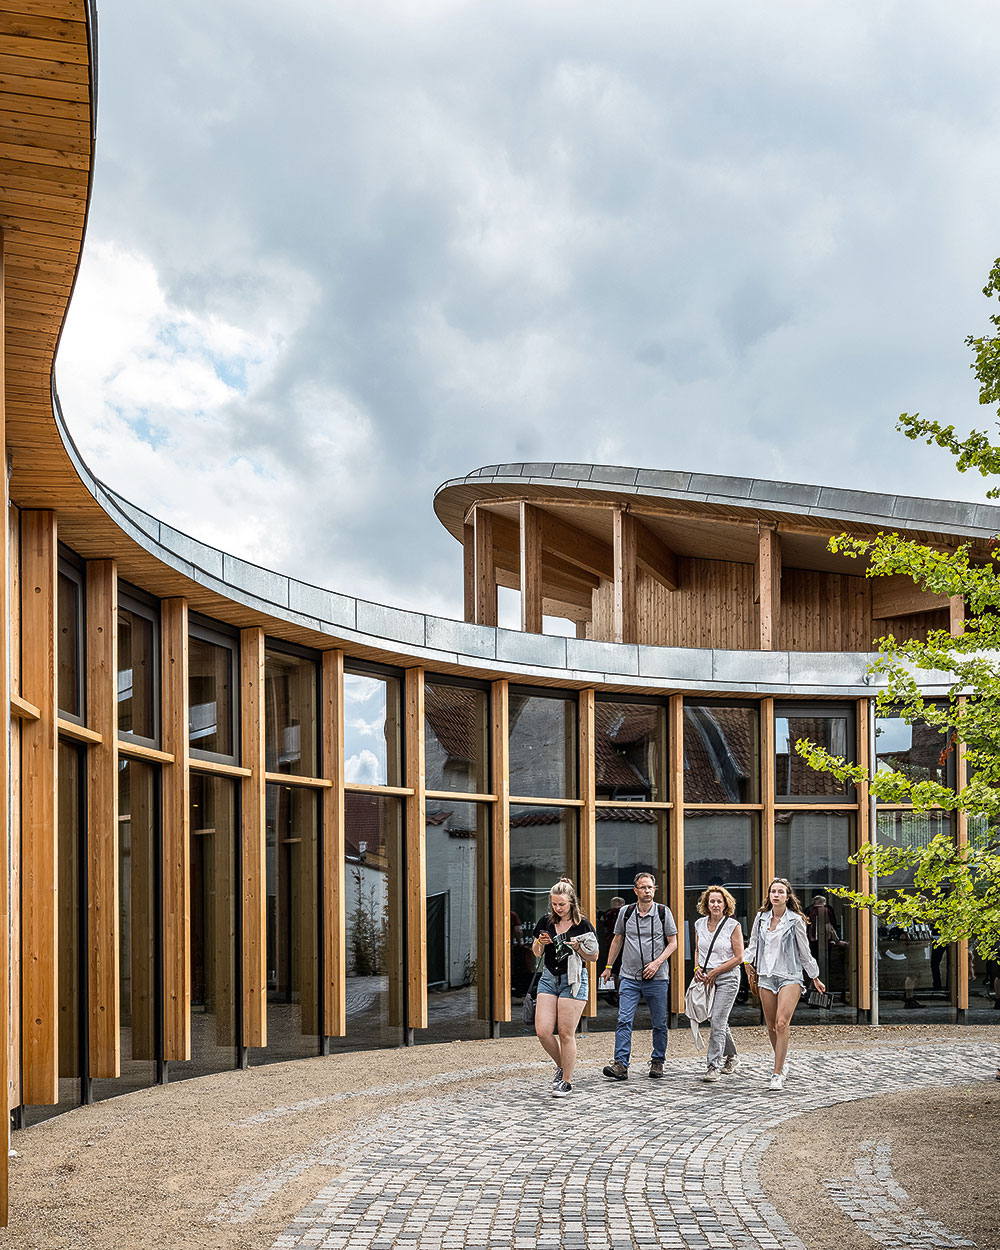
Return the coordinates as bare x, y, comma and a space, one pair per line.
720, 968
567, 940
649, 936
779, 950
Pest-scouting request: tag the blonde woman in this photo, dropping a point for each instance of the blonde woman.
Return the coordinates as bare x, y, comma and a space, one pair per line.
779, 950
718, 955
568, 941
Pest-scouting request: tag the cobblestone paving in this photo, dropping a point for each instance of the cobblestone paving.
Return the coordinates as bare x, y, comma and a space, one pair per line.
876, 1202
669, 1163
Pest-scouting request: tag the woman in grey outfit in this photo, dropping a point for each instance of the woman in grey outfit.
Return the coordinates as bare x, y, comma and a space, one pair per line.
718, 955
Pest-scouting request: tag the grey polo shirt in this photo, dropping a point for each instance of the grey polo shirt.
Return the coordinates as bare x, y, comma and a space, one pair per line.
644, 940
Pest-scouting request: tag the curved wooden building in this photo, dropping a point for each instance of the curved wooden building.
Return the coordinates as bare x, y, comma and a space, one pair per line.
251, 819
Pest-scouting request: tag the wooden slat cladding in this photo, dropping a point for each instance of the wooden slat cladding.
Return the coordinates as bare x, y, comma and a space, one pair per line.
102, 819
416, 845
39, 807
253, 838
334, 883
176, 831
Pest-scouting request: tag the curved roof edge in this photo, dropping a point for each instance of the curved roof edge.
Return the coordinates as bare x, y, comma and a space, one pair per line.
898, 511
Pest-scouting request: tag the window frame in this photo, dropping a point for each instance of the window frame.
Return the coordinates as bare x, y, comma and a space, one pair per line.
817, 709
215, 633
148, 608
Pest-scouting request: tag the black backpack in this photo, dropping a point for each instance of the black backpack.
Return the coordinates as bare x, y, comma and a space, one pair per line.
661, 908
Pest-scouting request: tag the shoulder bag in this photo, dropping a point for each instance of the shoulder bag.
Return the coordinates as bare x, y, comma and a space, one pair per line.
750, 968
699, 998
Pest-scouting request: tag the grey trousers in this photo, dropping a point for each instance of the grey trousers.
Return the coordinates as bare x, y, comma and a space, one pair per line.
720, 1042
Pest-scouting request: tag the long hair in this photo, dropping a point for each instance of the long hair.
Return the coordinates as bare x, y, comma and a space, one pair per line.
728, 902
564, 888
793, 903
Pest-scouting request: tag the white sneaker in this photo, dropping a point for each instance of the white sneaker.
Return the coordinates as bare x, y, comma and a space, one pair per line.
731, 1064
777, 1082
712, 1074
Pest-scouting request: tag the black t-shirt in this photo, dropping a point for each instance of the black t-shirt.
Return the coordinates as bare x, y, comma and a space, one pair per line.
556, 959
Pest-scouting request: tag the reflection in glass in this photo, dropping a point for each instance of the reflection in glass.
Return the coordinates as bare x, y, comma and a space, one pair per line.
293, 940
372, 741
631, 751
214, 886
138, 933
210, 687
457, 734
458, 910
984, 974
543, 746
136, 669
69, 645
721, 753
373, 833
920, 752
290, 711
811, 850
913, 975
793, 776
722, 848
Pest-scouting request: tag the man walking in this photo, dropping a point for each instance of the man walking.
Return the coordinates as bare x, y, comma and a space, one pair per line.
649, 936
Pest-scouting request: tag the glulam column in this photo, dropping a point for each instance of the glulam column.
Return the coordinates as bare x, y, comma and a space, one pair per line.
176, 840
485, 568
416, 849
769, 587
676, 867
500, 770
334, 883
625, 555
863, 917
253, 837
531, 569
588, 828
7, 824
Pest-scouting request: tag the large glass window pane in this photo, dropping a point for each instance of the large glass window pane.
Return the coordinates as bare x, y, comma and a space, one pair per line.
984, 974
210, 686
629, 840
372, 741
811, 851
920, 752
915, 978
543, 747
631, 751
69, 613
373, 871
793, 777
458, 911
136, 675
293, 933
138, 932
542, 849
214, 883
290, 699
457, 736
722, 848
721, 753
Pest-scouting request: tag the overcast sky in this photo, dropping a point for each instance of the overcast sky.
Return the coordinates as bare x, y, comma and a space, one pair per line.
341, 252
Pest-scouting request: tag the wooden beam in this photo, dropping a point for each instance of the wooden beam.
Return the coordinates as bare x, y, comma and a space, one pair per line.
769, 587
675, 865
39, 812
556, 570
588, 827
176, 831
863, 917
531, 569
898, 596
334, 883
253, 837
416, 849
653, 555
469, 571
574, 545
103, 944
485, 567
7, 824
626, 625
500, 783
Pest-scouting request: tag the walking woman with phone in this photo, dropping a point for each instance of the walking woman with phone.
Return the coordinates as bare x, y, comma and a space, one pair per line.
779, 951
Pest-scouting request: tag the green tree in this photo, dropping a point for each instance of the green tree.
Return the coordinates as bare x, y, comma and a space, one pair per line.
956, 890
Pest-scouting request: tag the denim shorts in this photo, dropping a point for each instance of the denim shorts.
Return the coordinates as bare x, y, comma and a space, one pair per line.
559, 986
774, 984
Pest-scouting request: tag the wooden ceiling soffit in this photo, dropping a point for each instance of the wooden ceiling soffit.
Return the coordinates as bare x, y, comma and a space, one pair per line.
898, 596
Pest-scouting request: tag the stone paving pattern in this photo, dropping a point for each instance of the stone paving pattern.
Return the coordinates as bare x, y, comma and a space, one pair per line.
670, 1163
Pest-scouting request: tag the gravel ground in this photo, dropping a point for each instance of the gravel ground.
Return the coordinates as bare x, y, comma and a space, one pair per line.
150, 1168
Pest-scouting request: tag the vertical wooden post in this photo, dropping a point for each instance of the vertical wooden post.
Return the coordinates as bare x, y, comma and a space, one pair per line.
956, 615
769, 587
486, 568
416, 848
767, 783
39, 807
176, 831
588, 828
469, 571
334, 882
531, 569
12, 590
7, 825
500, 770
676, 866
102, 820
625, 543
863, 919
961, 953
253, 837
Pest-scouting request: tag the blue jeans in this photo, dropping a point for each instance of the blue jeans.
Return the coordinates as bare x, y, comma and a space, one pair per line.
629, 993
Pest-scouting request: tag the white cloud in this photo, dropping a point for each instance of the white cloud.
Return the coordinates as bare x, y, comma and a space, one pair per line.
363, 769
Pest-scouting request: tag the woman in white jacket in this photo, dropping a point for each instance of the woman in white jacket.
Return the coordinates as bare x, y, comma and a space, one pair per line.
779, 951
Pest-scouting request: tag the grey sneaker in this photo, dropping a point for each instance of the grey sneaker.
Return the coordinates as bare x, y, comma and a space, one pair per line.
656, 1067
712, 1074
731, 1064
616, 1071
557, 1079
562, 1090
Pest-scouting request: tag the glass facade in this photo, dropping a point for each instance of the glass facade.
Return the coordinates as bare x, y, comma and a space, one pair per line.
457, 736
69, 628
137, 668
212, 708
630, 755
543, 761
290, 698
984, 974
830, 729
920, 752
721, 753
373, 753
